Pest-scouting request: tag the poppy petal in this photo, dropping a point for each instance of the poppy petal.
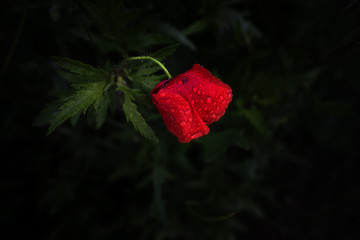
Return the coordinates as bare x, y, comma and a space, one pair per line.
209, 96
179, 116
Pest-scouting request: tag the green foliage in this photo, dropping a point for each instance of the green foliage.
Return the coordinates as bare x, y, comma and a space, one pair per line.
280, 164
89, 84
133, 116
78, 102
85, 72
92, 87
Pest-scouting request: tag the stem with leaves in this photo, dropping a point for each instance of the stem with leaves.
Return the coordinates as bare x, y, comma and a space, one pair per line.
152, 59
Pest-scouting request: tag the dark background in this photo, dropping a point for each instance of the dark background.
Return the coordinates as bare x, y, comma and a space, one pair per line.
283, 161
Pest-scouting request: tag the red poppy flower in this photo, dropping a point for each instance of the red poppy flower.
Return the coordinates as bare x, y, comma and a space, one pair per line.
191, 101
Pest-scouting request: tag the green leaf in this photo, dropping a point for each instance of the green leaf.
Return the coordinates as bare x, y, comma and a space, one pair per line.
101, 107
78, 102
150, 82
85, 72
132, 93
145, 71
46, 114
135, 117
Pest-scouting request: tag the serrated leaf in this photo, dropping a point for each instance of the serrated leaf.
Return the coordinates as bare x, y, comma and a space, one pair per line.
132, 93
101, 107
135, 117
78, 102
75, 119
149, 82
86, 73
145, 71
46, 114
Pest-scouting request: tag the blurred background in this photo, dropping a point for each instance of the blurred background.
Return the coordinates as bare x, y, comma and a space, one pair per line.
282, 163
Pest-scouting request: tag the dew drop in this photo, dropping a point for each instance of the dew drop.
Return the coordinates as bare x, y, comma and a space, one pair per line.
172, 110
221, 98
213, 115
208, 99
194, 89
217, 108
229, 95
182, 124
198, 91
192, 101
190, 119
187, 112
162, 94
206, 109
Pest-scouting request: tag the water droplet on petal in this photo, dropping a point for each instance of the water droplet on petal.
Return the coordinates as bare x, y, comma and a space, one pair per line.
221, 98
162, 94
182, 124
213, 115
188, 112
206, 109
198, 91
192, 101
208, 99
172, 110
217, 108
229, 95
194, 89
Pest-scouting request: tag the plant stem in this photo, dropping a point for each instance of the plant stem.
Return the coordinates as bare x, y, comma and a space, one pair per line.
152, 59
